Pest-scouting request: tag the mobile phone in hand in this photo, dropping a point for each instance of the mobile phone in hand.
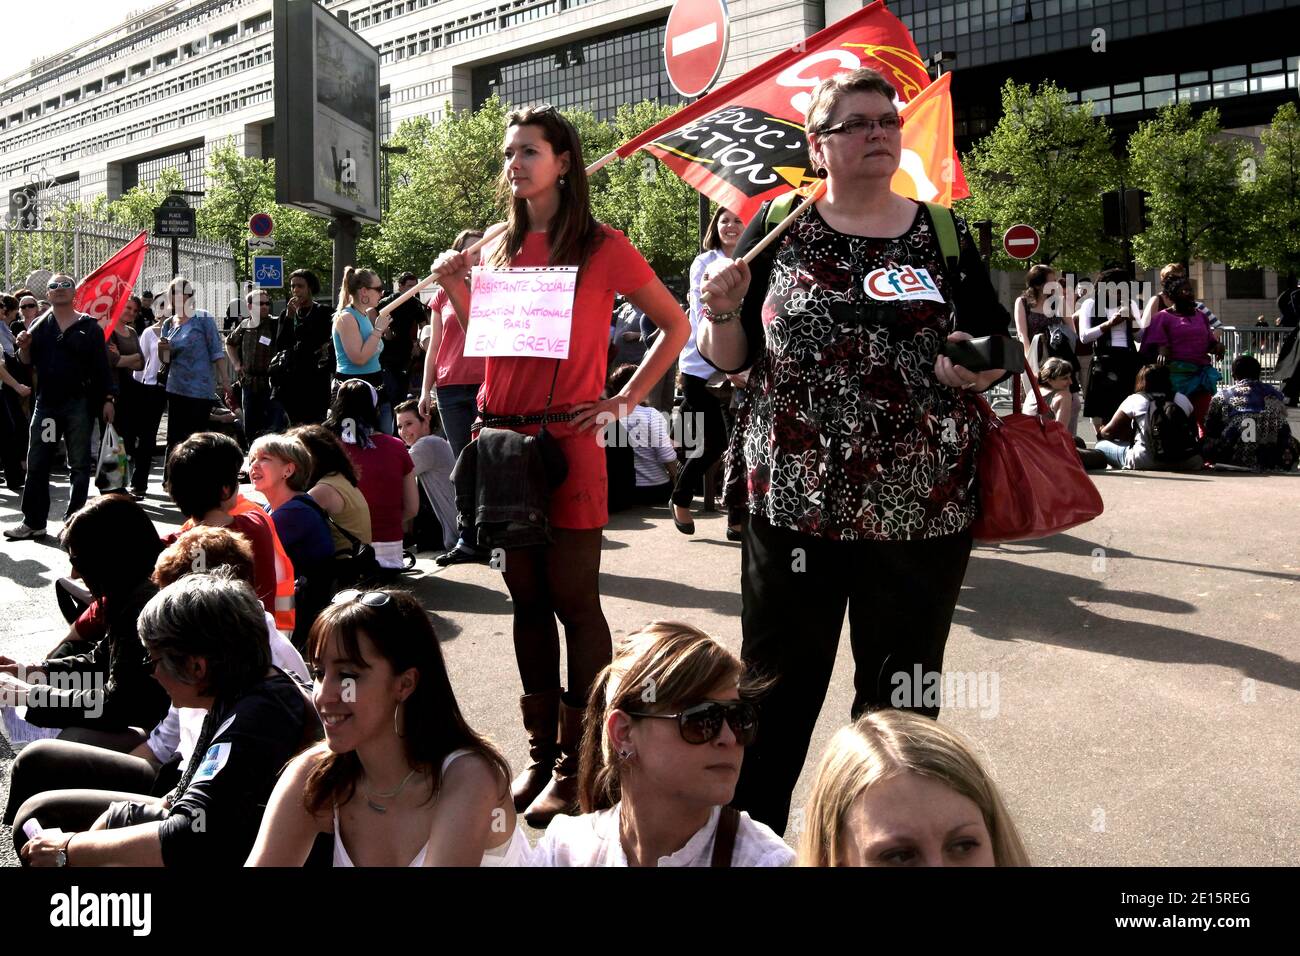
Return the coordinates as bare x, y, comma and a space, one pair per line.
984, 354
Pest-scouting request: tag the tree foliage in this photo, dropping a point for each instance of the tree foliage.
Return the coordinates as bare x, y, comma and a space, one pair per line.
1272, 195
1196, 208
1045, 163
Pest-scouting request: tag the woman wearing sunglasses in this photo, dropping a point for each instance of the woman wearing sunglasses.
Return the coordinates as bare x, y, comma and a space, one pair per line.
359, 336
401, 779
667, 727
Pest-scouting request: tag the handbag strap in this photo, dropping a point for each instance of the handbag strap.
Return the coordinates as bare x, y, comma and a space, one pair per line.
724, 838
551, 394
351, 538
1038, 395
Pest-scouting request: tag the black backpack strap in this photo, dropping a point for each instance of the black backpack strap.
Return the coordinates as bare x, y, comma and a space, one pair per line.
724, 840
351, 538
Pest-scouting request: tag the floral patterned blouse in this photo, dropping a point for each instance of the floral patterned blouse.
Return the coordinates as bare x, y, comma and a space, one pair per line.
848, 434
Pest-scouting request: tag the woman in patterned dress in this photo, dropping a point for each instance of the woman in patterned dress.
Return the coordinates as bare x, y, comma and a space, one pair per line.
860, 438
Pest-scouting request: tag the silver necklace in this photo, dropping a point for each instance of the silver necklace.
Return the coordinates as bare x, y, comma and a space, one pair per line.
379, 807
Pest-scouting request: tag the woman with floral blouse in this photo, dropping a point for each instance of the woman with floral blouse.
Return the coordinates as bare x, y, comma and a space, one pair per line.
861, 438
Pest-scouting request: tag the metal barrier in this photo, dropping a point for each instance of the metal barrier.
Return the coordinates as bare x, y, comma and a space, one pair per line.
84, 246
1262, 343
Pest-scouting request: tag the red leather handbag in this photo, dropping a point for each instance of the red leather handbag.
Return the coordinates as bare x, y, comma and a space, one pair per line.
1031, 481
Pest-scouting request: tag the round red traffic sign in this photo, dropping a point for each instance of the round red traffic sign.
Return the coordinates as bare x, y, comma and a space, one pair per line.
695, 44
1021, 241
260, 224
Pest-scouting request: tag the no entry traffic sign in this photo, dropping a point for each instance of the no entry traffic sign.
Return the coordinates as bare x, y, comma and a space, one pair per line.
695, 44
1021, 241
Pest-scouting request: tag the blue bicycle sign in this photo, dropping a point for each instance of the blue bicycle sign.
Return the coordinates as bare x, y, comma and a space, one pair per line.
268, 271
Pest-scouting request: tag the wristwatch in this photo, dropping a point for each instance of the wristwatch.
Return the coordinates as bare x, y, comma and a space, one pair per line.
61, 855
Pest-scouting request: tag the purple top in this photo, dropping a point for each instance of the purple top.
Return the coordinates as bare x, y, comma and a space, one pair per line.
1188, 336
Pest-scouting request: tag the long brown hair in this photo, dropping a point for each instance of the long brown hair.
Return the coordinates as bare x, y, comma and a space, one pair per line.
402, 634
574, 232
354, 280
1034, 282
666, 665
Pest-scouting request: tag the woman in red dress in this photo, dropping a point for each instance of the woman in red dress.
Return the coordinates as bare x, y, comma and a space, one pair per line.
550, 224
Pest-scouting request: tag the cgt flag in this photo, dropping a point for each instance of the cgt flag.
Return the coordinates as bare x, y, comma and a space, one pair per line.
744, 142
104, 292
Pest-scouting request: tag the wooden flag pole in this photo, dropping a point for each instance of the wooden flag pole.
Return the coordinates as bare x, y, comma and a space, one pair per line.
780, 227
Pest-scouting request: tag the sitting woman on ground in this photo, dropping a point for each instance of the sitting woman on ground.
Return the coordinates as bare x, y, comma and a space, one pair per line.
383, 465
899, 789
153, 767
280, 467
666, 730
205, 637
401, 779
1054, 378
333, 485
100, 696
1246, 424
1129, 440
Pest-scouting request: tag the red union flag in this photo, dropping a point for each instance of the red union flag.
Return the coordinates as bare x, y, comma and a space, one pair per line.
744, 142
926, 169
103, 293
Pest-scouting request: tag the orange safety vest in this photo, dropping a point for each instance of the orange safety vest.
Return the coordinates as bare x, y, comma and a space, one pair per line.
284, 577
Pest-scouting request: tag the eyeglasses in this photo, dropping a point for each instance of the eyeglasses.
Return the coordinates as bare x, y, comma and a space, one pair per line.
851, 127
28, 305
368, 598
62, 284
151, 664
374, 288
703, 722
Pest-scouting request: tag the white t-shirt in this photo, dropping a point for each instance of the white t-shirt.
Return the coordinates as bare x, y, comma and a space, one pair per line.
691, 362
149, 349
1090, 328
593, 840
434, 461
652, 446
179, 730
1137, 406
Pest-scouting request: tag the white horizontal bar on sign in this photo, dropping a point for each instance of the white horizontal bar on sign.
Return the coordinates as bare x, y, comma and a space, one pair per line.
1021, 242
694, 39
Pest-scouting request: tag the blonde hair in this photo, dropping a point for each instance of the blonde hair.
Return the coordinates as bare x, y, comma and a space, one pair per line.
663, 666
834, 88
886, 744
291, 451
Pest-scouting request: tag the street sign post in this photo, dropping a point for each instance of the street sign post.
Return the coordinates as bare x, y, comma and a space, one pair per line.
174, 219
1020, 241
695, 44
261, 243
268, 271
260, 225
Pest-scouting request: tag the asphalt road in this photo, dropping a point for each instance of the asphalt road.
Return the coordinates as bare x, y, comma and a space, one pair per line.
1141, 672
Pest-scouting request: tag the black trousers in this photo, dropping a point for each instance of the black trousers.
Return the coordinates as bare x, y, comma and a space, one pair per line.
900, 597
141, 444
13, 437
706, 424
185, 417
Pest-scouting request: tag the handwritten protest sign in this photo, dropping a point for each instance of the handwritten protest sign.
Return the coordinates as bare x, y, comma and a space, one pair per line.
521, 312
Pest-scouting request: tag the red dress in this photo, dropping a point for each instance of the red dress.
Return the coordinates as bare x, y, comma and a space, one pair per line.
518, 386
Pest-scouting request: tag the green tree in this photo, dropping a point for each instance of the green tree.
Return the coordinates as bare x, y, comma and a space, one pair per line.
135, 207
1196, 206
1273, 194
1045, 163
644, 198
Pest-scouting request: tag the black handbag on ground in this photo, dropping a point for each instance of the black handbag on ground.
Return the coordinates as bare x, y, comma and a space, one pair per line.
359, 565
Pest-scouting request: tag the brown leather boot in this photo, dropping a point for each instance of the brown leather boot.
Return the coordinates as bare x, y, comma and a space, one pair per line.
561, 793
542, 721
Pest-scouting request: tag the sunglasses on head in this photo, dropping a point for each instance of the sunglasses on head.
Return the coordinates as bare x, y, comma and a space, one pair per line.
703, 722
368, 598
61, 284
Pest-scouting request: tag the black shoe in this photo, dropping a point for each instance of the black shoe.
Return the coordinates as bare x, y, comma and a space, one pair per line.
458, 555
735, 534
685, 527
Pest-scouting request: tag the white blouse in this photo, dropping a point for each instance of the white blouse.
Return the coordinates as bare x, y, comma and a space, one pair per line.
593, 840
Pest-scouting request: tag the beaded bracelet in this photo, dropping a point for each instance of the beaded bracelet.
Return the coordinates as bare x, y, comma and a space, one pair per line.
719, 318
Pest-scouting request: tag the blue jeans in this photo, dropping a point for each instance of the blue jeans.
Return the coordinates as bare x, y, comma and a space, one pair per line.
1115, 452
71, 421
457, 406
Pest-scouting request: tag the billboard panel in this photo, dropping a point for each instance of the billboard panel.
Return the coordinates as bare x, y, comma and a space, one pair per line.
327, 104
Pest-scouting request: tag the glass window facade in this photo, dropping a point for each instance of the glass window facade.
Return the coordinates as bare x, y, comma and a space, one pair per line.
596, 74
190, 162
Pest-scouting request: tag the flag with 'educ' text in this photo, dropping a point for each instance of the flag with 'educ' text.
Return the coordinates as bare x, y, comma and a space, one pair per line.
103, 293
744, 142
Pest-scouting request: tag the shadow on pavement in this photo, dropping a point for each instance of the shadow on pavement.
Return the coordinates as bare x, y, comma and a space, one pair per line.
672, 594
439, 594
1045, 612
26, 573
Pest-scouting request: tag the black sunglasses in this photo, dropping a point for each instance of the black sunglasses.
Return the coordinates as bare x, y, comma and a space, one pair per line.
368, 598
29, 305
703, 722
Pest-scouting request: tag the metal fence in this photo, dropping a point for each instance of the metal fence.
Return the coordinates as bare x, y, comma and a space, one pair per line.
1262, 343
84, 246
